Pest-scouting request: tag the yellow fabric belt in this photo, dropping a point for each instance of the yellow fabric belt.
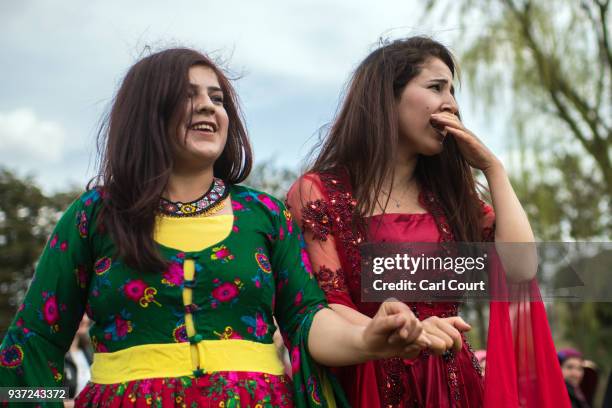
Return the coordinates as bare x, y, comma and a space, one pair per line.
174, 360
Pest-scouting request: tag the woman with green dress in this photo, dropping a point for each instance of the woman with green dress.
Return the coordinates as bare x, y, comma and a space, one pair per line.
183, 270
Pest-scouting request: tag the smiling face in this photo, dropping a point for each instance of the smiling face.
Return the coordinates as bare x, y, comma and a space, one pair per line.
429, 92
202, 133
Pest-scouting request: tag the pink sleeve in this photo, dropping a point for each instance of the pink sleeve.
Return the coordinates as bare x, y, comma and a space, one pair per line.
310, 208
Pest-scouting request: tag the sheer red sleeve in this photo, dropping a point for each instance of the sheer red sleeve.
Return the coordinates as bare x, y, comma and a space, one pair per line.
310, 207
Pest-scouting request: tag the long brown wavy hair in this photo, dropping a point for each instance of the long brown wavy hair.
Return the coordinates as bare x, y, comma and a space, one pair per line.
136, 143
363, 137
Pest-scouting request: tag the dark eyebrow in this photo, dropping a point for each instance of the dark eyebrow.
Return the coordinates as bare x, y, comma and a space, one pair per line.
209, 89
444, 81
214, 89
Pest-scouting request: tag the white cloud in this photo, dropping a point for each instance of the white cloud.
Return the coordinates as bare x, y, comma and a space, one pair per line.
24, 137
64, 61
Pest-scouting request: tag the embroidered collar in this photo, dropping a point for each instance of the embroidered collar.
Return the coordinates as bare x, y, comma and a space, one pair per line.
210, 202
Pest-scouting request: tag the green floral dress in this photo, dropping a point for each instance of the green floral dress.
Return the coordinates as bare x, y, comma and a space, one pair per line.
260, 271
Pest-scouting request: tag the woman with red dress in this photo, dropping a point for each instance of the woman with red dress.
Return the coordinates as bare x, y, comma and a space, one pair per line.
396, 166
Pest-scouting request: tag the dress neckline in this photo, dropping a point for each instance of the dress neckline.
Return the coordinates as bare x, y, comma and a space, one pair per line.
234, 198
397, 215
209, 203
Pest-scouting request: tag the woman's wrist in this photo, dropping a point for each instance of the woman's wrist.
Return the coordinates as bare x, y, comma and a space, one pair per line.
361, 346
494, 169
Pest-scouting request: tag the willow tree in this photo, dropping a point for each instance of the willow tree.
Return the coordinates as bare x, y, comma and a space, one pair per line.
549, 64
546, 66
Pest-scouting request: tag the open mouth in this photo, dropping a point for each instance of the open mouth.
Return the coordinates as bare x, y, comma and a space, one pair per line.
204, 126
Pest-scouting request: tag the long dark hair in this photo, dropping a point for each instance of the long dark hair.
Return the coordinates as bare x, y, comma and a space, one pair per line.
363, 137
136, 143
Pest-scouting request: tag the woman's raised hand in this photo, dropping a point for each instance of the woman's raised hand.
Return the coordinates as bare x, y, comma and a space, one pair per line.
472, 149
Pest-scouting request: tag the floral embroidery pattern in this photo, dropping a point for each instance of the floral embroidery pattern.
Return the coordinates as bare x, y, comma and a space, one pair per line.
57, 376
25, 332
316, 219
82, 224
221, 253
298, 298
55, 244
11, 356
256, 325
173, 275
262, 198
223, 390
281, 235
139, 291
119, 328
228, 334
267, 201
180, 333
90, 197
100, 283
263, 261
331, 280
102, 265
225, 292
313, 390
295, 359
306, 261
134, 289
263, 275
238, 206
50, 311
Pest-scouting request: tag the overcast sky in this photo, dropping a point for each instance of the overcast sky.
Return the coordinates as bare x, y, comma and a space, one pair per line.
61, 63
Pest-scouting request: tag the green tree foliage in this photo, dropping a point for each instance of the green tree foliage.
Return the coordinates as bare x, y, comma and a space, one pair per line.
551, 61
272, 179
27, 218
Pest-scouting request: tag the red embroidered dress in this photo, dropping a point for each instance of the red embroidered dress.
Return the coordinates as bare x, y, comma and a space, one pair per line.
323, 205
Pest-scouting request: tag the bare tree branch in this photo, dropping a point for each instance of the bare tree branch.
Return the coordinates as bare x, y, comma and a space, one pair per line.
599, 87
549, 72
605, 38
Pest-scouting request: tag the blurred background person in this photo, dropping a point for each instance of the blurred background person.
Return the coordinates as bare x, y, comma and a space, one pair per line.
573, 372
77, 371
